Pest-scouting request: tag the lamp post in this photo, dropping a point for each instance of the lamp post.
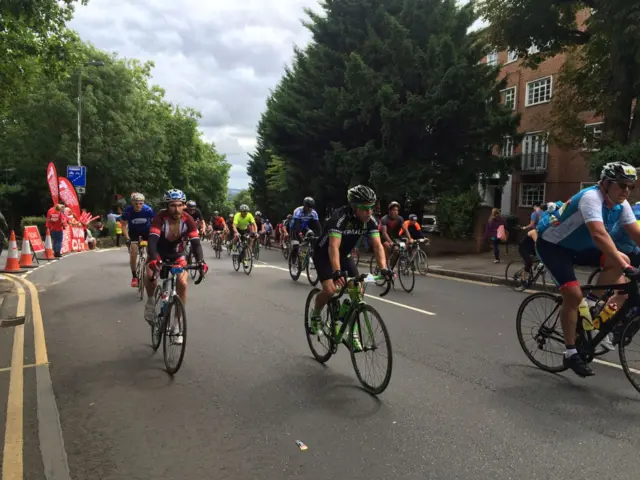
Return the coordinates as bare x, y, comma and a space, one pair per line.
94, 63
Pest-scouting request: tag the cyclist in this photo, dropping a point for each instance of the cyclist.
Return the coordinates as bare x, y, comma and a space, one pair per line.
390, 226
170, 229
259, 226
194, 211
136, 222
344, 230
579, 233
305, 219
413, 227
243, 223
218, 225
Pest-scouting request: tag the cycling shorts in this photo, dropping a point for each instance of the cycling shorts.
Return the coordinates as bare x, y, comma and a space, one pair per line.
323, 265
137, 236
559, 261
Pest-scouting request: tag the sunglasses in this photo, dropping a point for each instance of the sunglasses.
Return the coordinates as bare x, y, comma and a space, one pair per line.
626, 186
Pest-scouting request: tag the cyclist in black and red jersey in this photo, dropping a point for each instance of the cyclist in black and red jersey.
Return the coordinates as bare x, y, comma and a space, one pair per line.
170, 228
194, 211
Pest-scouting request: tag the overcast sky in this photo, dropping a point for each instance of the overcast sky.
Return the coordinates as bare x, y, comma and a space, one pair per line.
219, 57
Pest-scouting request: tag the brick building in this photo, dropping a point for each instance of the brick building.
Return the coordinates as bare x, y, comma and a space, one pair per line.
545, 172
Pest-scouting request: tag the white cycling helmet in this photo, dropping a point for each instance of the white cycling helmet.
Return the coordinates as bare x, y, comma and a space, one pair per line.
551, 207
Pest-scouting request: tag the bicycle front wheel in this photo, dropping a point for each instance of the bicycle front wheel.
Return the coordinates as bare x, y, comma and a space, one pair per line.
312, 273
294, 266
406, 274
158, 319
247, 261
236, 260
368, 329
175, 335
324, 349
256, 250
421, 262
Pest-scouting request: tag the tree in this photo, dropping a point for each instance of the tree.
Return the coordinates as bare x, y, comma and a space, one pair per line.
389, 93
602, 73
242, 198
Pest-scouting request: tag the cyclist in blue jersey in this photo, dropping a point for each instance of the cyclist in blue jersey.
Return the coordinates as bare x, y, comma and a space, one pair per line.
623, 241
136, 222
579, 233
305, 219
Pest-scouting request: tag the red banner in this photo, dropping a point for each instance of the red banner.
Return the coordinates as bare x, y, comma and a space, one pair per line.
33, 235
52, 180
69, 197
73, 240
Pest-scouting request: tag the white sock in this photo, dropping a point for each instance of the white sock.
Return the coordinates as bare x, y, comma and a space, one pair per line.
570, 352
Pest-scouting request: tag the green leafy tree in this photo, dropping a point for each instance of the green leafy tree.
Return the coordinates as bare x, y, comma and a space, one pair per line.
240, 198
390, 94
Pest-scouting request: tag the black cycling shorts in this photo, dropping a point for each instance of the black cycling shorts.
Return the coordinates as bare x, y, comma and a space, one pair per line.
559, 261
137, 236
323, 265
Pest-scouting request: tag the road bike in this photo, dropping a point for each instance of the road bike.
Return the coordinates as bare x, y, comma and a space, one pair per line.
141, 266
418, 257
514, 274
624, 325
167, 303
286, 249
256, 249
356, 316
304, 261
191, 258
399, 262
242, 255
355, 256
216, 243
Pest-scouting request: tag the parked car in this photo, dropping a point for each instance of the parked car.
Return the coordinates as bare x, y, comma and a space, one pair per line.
430, 223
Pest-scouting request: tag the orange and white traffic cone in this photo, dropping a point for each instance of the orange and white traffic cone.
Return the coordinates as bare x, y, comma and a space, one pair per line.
13, 264
26, 259
48, 247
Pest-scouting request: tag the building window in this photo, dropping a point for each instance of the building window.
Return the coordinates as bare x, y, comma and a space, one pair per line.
539, 91
592, 136
584, 185
512, 56
492, 58
509, 99
535, 149
531, 193
507, 147
533, 49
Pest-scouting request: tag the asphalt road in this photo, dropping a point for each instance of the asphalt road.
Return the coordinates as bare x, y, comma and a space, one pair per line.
463, 402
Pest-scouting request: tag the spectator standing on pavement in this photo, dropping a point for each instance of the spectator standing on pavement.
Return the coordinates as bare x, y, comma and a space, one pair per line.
494, 234
56, 223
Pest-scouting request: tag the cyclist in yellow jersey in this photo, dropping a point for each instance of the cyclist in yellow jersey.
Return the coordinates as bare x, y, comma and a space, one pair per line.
243, 222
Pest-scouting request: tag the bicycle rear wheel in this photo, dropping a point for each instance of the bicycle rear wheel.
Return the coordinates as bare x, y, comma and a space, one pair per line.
294, 266
173, 330
406, 274
256, 249
372, 339
547, 333
593, 278
325, 348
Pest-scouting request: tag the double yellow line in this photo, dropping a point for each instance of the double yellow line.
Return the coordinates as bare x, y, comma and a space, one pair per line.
12, 459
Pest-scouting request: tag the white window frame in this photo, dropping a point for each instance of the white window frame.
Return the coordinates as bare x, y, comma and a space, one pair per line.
584, 185
508, 146
510, 54
515, 95
533, 49
492, 58
526, 98
522, 191
585, 146
536, 147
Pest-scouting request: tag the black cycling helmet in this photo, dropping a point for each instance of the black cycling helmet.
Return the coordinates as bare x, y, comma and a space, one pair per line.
618, 172
394, 204
309, 202
361, 194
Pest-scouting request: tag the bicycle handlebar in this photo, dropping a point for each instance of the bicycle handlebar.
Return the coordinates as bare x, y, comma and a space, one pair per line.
361, 278
175, 269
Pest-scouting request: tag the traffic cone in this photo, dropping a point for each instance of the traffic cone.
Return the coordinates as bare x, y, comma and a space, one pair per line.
13, 264
48, 247
26, 259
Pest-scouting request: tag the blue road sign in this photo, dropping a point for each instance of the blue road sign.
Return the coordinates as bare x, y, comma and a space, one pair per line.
77, 175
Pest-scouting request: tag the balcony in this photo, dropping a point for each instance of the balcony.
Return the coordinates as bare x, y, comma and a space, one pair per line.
535, 162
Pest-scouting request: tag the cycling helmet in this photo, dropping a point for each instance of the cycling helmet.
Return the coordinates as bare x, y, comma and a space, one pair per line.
289, 217
174, 195
191, 204
137, 197
413, 216
244, 208
258, 214
361, 194
394, 204
551, 207
309, 202
619, 171
216, 213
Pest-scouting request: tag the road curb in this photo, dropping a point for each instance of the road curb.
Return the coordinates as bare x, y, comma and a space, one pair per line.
480, 277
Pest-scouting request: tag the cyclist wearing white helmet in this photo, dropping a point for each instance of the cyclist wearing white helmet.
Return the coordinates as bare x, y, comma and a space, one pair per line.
194, 211
579, 233
170, 229
136, 222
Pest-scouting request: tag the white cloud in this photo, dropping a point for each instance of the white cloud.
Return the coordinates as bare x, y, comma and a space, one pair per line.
220, 58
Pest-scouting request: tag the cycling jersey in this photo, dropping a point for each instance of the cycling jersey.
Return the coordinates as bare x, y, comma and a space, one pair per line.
218, 223
197, 215
268, 227
305, 218
345, 225
161, 247
413, 228
567, 227
139, 222
393, 225
242, 223
258, 224
623, 242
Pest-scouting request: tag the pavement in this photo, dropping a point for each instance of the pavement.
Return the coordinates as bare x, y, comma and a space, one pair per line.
464, 402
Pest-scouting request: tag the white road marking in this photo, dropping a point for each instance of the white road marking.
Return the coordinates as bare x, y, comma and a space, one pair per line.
615, 365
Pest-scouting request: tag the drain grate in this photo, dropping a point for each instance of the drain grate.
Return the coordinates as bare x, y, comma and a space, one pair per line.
12, 322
